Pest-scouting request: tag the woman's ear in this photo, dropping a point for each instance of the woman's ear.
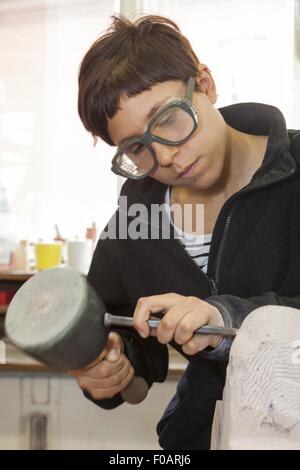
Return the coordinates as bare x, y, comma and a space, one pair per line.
206, 83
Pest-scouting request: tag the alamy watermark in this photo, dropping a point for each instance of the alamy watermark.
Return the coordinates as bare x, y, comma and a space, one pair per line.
156, 221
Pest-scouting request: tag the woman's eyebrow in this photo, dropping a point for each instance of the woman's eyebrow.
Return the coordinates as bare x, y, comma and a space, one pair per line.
149, 115
155, 108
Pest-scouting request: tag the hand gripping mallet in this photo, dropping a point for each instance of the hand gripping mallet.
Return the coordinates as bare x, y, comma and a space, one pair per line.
57, 317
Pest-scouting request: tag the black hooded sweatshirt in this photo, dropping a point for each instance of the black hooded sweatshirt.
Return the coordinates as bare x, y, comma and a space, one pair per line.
254, 260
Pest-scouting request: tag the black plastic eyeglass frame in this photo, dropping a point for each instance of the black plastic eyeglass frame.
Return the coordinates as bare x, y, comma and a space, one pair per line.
147, 138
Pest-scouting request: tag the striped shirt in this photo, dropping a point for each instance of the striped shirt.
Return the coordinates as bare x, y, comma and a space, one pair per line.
196, 246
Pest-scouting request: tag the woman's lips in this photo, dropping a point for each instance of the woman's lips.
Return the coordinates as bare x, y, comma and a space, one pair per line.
189, 171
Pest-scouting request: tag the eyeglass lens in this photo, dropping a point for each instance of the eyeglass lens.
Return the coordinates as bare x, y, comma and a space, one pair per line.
174, 125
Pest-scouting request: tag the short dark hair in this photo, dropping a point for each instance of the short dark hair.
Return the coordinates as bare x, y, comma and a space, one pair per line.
128, 59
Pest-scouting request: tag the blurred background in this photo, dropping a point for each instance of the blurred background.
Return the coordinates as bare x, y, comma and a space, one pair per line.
49, 167
54, 183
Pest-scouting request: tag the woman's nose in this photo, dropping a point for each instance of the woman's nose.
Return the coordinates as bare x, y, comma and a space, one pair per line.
165, 154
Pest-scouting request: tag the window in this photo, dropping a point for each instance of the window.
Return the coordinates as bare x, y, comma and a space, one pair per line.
52, 172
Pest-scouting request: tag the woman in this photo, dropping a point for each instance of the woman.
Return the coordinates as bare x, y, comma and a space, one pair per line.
142, 89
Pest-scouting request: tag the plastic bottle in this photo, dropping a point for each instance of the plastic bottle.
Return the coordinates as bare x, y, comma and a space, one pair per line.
7, 232
91, 234
21, 259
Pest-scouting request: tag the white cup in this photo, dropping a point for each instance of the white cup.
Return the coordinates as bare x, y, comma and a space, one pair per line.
79, 255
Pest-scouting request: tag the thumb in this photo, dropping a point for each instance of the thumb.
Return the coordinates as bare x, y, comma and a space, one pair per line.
114, 347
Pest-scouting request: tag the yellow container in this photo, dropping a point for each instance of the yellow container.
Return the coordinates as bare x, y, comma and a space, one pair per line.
48, 255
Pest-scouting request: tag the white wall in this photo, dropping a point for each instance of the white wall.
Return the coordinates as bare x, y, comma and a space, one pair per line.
248, 45
73, 422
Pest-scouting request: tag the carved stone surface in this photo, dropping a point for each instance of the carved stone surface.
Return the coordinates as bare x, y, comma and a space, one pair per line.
261, 400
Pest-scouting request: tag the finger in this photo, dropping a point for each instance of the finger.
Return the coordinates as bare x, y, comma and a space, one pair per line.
215, 340
103, 369
196, 344
100, 393
114, 347
152, 304
186, 328
184, 311
104, 382
141, 316
167, 327
114, 380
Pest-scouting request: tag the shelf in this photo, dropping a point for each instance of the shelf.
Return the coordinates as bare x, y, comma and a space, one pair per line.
17, 360
15, 275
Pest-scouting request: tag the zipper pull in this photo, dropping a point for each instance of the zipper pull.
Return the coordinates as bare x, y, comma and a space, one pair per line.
213, 287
